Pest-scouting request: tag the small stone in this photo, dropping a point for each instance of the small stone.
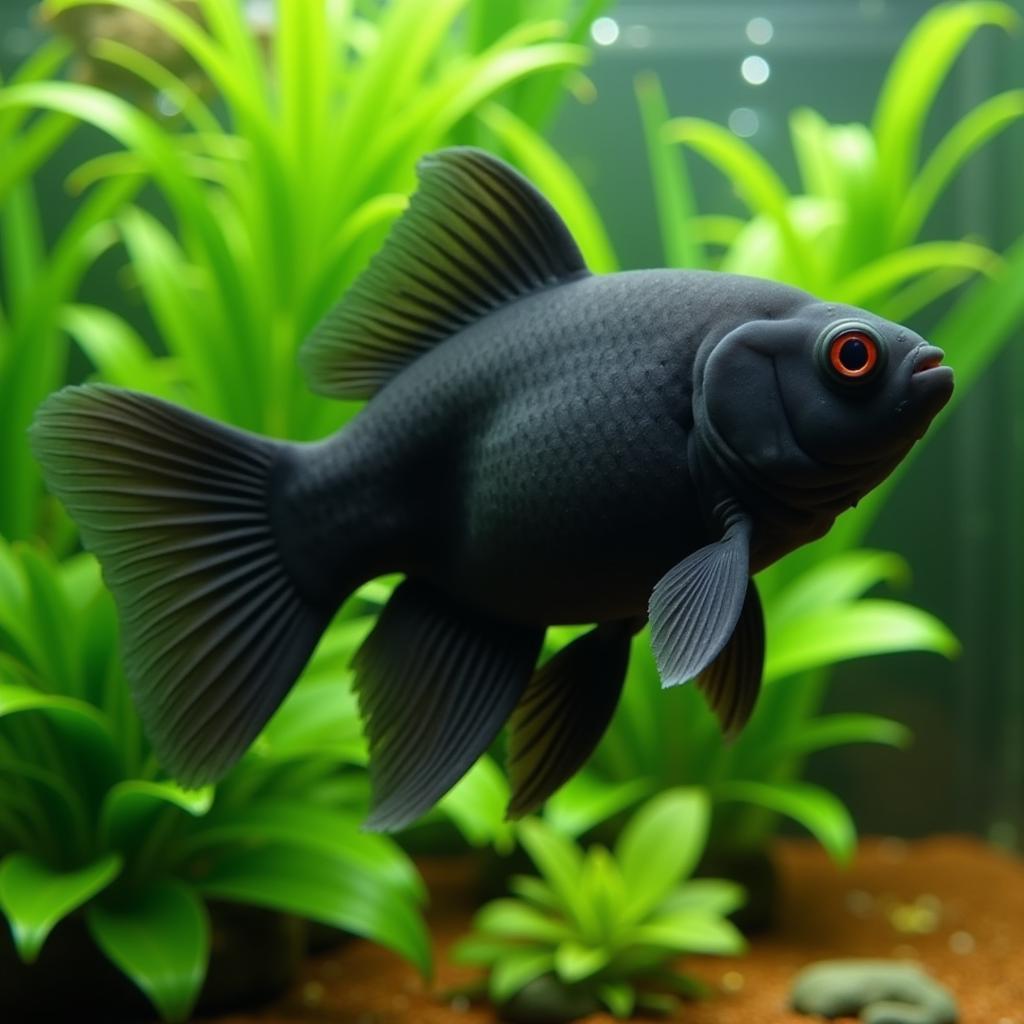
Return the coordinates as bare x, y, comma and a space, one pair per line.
312, 993
732, 982
893, 848
886, 991
914, 919
860, 903
962, 943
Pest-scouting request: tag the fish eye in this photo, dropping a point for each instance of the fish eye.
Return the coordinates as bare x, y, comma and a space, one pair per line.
851, 352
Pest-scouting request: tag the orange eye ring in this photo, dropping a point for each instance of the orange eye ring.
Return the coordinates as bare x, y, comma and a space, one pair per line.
853, 354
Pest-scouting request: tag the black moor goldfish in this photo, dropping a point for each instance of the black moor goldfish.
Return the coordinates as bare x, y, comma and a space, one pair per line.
540, 445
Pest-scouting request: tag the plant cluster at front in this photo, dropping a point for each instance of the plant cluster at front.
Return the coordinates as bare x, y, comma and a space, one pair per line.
601, 929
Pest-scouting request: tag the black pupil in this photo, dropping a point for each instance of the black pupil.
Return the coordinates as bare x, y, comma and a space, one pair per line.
853, 354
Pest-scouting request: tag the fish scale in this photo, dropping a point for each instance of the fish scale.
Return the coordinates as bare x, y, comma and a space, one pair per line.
539, 445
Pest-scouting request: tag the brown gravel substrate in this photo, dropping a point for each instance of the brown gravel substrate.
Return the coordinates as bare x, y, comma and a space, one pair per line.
950, 903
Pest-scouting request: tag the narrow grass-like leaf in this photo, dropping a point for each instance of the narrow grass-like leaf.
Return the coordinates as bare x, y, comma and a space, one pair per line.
968, 135
859, 629
673, 193
888, 272
538, 160
918, 71
755, 180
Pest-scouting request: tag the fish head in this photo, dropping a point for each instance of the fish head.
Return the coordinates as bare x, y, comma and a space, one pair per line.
823, 401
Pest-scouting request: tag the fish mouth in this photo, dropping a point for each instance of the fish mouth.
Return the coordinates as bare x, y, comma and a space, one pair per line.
928, 357
927, 366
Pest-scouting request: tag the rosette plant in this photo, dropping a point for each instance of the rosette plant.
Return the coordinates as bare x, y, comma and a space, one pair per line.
603, 929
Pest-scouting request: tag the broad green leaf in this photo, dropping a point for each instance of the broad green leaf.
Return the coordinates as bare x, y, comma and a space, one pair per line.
619, 997
821, 813
661, 845
575, 961
516, 970
320, 717
130, 809
586, 800
304, 823
535, 891
691, 931
34, 897
323, 888
511, 919
559, 860
856, 630
706, 895
835, 730
605, 891
160, 938
477, 806
838, 580
481, 950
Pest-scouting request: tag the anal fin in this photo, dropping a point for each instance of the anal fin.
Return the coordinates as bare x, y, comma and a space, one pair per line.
564, 713
435, 682
732, 681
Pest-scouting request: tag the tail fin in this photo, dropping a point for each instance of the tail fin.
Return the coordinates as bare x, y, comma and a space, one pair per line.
175, 507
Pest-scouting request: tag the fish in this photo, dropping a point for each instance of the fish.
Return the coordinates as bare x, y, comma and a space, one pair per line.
540, 445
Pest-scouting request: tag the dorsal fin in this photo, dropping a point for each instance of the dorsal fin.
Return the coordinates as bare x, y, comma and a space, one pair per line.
476, 235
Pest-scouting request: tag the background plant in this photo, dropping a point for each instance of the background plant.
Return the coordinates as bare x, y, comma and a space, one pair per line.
601, 929
88, 825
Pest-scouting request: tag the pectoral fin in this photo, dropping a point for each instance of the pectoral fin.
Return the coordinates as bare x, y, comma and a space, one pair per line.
732, 681
564, 712
696, 605
435, 682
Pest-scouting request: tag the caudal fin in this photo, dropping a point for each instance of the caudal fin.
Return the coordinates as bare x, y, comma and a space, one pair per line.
175, 507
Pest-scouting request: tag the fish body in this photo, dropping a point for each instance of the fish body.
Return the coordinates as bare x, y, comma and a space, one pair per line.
540, 446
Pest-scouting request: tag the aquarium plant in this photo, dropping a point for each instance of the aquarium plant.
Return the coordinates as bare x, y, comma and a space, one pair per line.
282, 184
90, 827
852, 231
603, 929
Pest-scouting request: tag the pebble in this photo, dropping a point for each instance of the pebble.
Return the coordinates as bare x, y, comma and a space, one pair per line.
962, 943
888, 992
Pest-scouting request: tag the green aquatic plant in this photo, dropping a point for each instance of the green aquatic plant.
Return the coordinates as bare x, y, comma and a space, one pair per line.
90, 827
280, 190
602, 929
851, 232
817, 620
38, 284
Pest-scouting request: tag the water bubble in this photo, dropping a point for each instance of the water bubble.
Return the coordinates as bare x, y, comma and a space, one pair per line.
744, 122
755, 70
604, 31
760, 31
